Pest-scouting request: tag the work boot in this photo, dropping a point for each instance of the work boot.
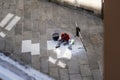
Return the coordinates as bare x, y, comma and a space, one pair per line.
70, 47
57, 46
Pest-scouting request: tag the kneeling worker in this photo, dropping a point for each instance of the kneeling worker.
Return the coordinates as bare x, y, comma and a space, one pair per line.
64, 39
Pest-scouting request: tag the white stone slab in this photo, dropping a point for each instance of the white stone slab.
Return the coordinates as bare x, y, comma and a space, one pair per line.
35, 49
58, 52
26, 46
52, 60
6, 19
61, 64
51, 44
67, 54
12, 23
2, 34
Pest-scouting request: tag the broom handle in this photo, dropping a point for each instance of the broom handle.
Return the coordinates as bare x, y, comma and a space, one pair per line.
81, 36
82, 41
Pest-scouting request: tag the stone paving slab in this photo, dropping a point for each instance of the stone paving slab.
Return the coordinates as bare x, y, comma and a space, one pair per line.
12, 23
18, 41
35, 49
54, 73
92, 57
27, 25
85, 70
73, 66
2, 44
61, 64
26, 46
18, 29
35, 37
35, 61
43, 43
82, 57
20, 4
87, 78
93, 62
27, 35
97, 75
2, 34
75, 77
7, 18
52, 54
64, 75
52, 59
26, 57
35, 25
17, 49
44, 64
9, 44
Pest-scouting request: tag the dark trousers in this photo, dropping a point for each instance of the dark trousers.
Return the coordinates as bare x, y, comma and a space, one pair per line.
62, 41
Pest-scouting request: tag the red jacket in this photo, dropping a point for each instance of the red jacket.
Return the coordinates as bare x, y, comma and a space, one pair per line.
65, 36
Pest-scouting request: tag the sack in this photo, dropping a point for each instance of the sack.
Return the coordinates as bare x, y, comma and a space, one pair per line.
72, 41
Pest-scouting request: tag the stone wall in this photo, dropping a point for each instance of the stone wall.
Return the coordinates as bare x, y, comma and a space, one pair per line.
92, 5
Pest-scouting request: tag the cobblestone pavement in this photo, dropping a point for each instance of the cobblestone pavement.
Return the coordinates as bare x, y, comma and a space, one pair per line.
40, 18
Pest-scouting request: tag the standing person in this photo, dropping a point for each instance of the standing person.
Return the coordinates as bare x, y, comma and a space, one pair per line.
64, 39
77, 29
